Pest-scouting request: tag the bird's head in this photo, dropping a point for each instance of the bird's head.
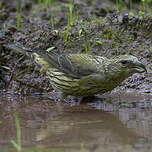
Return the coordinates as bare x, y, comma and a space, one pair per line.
126, 65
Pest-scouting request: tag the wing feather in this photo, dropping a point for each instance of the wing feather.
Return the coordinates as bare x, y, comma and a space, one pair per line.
74, 65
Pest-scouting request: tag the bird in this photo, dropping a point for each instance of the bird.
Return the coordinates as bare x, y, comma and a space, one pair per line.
83, 74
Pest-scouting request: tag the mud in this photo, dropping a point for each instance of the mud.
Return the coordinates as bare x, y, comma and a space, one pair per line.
95, 30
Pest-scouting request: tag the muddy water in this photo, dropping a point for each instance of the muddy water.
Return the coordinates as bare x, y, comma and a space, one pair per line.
89, 127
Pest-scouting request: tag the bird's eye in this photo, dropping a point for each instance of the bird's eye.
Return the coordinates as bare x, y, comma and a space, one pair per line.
124, 62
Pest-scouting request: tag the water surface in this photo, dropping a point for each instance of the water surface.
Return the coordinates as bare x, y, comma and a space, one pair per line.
88, 127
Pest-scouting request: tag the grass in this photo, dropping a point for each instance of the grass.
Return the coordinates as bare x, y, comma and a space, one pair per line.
18, 14
17, 143
86, 47
143, 6
70, 6
45, 3
119, 5
131, 8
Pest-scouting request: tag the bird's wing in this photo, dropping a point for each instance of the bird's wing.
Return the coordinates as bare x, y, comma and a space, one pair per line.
74, 65
93, 80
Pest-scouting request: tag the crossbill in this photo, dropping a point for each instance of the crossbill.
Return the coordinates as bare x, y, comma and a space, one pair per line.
83, 74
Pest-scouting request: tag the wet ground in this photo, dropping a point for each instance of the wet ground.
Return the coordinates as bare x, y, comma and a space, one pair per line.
120, 122
88, 127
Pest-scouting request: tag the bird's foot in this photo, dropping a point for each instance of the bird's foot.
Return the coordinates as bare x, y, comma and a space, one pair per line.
81, 100
55, 97
88, 99
72, 100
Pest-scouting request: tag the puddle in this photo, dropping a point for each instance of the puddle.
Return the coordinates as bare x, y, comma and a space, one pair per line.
46, 126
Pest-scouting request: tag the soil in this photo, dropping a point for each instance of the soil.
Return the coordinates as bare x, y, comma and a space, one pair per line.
96, 29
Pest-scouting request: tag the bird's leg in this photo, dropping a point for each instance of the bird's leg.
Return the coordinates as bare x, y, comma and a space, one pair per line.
99, 98
87, 99
91, 99
72, 100
62, 96
57, 97
78, 99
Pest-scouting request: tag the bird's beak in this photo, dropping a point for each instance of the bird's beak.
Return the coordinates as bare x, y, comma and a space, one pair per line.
140, 67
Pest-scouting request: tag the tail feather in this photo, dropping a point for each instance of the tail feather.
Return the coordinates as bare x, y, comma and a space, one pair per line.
19, 48
43, 58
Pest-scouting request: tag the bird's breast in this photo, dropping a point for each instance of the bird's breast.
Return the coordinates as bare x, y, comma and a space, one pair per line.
71, 86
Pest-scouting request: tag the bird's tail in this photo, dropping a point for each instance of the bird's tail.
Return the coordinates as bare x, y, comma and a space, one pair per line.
40, 57
19, 48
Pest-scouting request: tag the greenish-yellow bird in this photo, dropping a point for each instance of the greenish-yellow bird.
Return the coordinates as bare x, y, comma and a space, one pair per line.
83, 74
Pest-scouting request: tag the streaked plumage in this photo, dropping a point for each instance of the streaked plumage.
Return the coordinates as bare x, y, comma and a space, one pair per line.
83, 74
